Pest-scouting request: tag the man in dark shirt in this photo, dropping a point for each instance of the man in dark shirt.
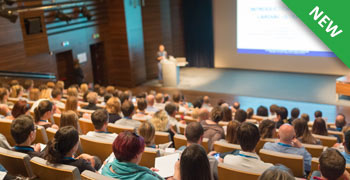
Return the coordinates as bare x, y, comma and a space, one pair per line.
23, 132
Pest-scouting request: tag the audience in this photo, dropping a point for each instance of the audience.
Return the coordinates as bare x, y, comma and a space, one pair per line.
305, 117
289, 144
56, 95
23, 131
294, 114
150, 105
267, 129
4, 94
43, 113
250, 113
231, 135
70, 118
159, 101
141, 114
34, 94
227, 114
147, 131
204, 114
99, 119
62, 148
92, 100
28, 85
340, 122
177, 99
72, 105
303, 133
273, 111
206, 103
171, 110
262, 111
113, 109
277, 173
248, 137
212, 130
282, 114
240, 115
16, 91
318, 114
21, 107
128, 112
84, 88
319, 127
128, 149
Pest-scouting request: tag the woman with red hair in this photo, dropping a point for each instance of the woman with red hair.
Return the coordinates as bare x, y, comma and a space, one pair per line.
128, 148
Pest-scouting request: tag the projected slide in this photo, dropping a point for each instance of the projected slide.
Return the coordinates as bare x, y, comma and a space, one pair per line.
269, 27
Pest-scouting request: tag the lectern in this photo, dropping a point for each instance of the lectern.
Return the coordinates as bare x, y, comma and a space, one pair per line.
171, 71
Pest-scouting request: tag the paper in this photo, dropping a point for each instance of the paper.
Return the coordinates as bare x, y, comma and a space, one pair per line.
166, 165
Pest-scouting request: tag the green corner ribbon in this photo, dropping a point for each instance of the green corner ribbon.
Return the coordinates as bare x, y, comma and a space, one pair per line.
329, 20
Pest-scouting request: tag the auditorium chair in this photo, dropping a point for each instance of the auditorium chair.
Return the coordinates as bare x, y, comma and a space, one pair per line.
86, 111
41, 136
86, 125
16, 163
50, 132
253, 121
262, 142
118, 129
182, 128
328, 141
57, 119
180, 140
178, 117
89, 175
292, 161
222, 147
13, 100
149, 157
225, 171
96, 146
223, 123
44, 170
5, 130
259, 118
189, 119
337, 133
161, 137
314, 150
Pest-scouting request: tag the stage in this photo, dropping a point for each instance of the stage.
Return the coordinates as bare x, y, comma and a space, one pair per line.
309, 92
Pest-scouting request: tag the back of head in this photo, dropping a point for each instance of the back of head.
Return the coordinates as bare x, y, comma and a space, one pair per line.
262, 111
141, 104
216, 114
21, 107
176, 97
305, 117
240, 115
194, 163
110, 89
248, 136
286, 133
127, 145
340, 121
266, 129
28, 84
250, 113
319, 127
56, 92
170, 108
277, 172
194, 131
206, 99
92, 97
84, 88
198, 103
273, 108
113, 105
34, 94
231, 135
14, 82
16, 91
160, 120
60, 84
332, 164
300, 127
227, 114
71, 103
41, 109
127, 108
236, 105
150, 100
295, 113
66, 138
147, 131
101, 91
99, 118
50, 84
282, 112
203, 114
123, 97
69, 118
318, 114
21, 128
159, 98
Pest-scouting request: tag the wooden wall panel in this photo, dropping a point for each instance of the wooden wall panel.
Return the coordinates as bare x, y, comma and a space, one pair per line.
177, 25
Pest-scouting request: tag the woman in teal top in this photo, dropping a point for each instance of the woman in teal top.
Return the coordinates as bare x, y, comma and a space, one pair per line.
128, 148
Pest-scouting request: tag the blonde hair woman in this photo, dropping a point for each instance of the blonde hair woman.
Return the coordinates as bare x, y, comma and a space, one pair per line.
34, 94
84, 88
113, 108
45, 93
72, 104
160, 121
60, 84
72, 91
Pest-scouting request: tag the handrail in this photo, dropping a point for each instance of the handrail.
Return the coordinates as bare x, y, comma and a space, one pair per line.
33, 75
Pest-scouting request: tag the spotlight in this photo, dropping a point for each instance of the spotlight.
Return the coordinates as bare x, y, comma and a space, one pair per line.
9, 15
63, 17
86, 12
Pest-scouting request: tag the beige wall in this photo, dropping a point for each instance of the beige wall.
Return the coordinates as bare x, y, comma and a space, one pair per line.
226, 55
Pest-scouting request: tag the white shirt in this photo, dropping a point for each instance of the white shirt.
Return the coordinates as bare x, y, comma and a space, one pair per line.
102, 135
247, 160
160, 106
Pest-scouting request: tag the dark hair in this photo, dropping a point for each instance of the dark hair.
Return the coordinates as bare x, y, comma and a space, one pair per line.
295, 112
69, 118
127, 145
240, 115
231, 135
279, 172
305, 117
248, 136
347, 140
65, 139
99, 118
193, 132
318, 114
217, 114
21, 127
123, 97
43, 107
282, 112
274, 108
332, 164
107, 96
319, 127
194, 163
266, 128
170, 108
198, 103
3, 93
221, 102
302, 131
262, 111
342, 123
20, 108
177, 97
127, 108
250, 113
56, 92
227, 114
28, 84
141, 104
236, 105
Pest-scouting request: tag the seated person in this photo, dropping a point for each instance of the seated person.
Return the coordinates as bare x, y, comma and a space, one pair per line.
171, 110
267, 129
128, 111
282, 114
92, 100
62, 148
248, 137
113, 108
100, 121
262, 111
70, 118
160, 121
319, 127
340, 122
193, 164
150, 105
56, 95
159, 101
43, 113
332, 166
303, 133
21, 107
128, 149
346, 144
231, 135
23, 132
148, 132
294, 114
277, 172
289, 144
141, 114
240, 115
212, 130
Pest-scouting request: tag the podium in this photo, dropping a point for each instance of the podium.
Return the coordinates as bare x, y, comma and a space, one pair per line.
171, 71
